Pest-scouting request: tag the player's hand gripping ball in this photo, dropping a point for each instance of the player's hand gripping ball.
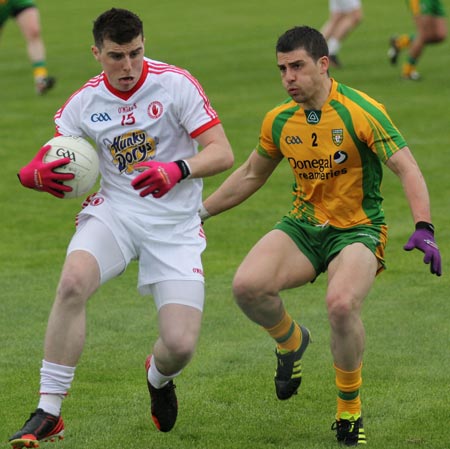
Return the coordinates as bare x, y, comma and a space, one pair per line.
66, 167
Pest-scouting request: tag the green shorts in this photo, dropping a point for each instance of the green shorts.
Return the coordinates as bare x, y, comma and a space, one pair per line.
10, 8
426, 7
320, 244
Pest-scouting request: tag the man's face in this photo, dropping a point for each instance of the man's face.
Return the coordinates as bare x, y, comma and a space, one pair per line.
301, 75
122, 64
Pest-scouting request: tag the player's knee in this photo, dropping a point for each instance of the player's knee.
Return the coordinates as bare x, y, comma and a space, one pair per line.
357, 18
341, 307
180, 346
434, 35
441, 35
248, 291
242, 290
73, 288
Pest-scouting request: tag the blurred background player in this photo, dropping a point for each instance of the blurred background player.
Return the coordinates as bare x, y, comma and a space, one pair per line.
27, 17
345, 16
431, 28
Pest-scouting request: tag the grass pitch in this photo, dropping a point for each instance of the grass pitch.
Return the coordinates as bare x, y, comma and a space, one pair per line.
226, 394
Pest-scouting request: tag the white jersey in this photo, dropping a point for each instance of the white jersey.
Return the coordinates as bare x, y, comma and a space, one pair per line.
158, 119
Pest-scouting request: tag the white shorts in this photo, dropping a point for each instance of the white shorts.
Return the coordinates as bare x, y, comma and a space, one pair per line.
344, 5
165, 252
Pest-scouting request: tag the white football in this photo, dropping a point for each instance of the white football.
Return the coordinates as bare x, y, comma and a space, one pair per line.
83, 163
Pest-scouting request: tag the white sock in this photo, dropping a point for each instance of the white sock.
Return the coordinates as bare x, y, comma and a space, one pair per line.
55, 383
51, 403
333, 46
157, 379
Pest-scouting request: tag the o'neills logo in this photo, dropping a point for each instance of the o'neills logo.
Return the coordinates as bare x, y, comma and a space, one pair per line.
127, 108
131, 148
337, 135
313, 117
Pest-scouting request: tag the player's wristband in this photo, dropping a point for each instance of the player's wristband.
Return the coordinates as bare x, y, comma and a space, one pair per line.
204, 214
185, 169
425, 225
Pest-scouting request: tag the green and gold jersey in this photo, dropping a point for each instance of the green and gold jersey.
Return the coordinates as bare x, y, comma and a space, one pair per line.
336, 156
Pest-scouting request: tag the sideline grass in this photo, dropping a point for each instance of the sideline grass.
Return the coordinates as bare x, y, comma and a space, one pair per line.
226, 394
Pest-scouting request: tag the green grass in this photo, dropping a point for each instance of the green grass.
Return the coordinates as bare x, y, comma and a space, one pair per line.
226, 394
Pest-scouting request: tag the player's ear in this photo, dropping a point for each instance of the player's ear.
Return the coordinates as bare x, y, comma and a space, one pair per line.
96, 52
324, 64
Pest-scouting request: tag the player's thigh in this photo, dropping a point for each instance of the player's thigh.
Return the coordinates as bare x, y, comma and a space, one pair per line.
80, 276
28, 22
351, 274
179, 326
96, 238
275, 263
431, 29
185, 292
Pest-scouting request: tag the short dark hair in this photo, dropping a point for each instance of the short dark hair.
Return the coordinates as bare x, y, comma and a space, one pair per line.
310, 39
118, 25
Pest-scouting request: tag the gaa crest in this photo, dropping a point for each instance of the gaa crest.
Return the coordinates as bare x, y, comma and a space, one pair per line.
337, 135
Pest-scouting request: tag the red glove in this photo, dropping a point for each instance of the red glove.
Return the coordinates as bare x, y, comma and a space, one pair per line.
39, 175
159, 177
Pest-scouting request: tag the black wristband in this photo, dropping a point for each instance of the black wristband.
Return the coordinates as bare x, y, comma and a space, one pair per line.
425, 225
184, 167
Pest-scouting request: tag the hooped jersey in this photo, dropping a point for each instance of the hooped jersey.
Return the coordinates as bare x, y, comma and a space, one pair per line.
336, 155
158, 119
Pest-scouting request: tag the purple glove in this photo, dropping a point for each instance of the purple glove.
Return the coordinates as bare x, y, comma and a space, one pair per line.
423, 239
39, 175
159, 177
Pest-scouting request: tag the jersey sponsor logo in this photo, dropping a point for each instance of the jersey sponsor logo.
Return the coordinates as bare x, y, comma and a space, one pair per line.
313, 117
100, 117
155, 109
337, 135
293, 140
320, 168
131, 148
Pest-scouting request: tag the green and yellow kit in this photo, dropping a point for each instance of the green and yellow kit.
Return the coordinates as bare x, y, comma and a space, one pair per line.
426, 7
336, 156
10, 8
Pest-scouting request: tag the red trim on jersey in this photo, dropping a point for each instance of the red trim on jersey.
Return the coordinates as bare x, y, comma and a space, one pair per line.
158, 68
93, 82
205, 127
126, 95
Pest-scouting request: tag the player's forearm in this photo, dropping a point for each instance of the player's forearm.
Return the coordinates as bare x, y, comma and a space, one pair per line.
234, 190
406, 168
418, 198
216, 155
214, 159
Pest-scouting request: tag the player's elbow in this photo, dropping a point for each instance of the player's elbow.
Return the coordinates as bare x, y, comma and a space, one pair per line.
227, 159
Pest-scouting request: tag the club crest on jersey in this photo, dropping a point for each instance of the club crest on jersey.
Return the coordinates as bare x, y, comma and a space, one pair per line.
131, 148
155, 109
337, 135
